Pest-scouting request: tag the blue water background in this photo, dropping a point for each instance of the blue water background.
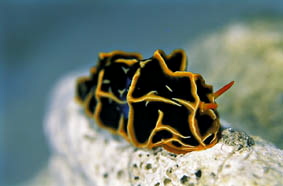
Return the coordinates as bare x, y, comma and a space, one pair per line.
41, 41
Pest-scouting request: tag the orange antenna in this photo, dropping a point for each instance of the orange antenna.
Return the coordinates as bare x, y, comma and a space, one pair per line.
222, 90
206, 106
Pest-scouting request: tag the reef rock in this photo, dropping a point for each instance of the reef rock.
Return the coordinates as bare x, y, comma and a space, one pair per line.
83, 154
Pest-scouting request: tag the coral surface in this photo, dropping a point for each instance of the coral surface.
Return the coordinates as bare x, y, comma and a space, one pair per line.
83, 154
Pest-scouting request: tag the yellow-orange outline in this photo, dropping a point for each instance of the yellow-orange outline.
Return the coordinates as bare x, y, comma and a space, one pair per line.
210, 96
100, 93
78, 81
103, 55
93, 71
184, 59
168, 57
152, 97
168, 72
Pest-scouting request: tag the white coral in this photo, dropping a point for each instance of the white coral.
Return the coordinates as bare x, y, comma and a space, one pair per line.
83, 154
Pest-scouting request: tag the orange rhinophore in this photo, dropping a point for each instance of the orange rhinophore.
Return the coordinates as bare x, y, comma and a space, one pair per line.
223, 89
152, 102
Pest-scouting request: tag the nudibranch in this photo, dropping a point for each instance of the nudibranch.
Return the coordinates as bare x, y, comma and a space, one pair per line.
152, 102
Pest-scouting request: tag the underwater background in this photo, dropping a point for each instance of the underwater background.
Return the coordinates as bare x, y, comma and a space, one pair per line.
42, 41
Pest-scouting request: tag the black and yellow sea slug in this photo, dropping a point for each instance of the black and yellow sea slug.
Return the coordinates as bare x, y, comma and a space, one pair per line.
152, 102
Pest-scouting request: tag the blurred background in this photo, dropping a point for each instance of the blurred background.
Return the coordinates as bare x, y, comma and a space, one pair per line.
41, 41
